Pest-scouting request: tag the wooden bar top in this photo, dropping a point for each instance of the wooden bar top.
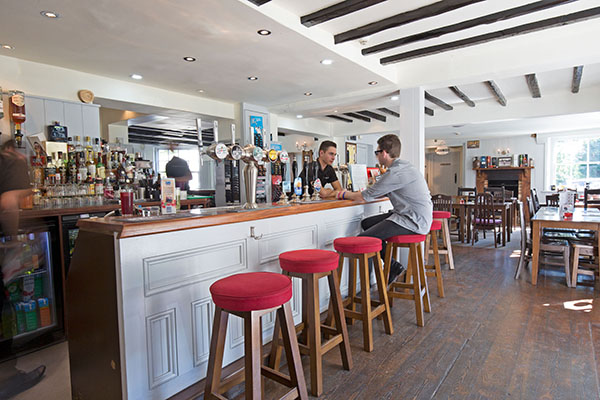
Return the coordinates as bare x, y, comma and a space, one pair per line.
199, 218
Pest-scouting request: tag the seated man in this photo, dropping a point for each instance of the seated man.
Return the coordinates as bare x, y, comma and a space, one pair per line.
325, 172
407, 190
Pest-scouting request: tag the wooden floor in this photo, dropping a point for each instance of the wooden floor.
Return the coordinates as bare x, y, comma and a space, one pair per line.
491, 337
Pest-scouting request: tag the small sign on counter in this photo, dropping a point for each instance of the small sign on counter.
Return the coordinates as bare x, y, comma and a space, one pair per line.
168, 200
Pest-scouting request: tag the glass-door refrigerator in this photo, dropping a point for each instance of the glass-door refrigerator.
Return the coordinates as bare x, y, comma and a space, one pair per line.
32, 310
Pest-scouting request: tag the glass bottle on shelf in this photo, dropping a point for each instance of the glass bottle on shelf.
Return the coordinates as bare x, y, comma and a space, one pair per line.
49, 171
72, 166
82, 168
17, 112
100, 168
77, 144
88, 145
61, 167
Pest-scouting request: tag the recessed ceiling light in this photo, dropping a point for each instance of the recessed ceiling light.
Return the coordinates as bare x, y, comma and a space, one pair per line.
264, 32
200, 90
373, 83
299, 116
335, 111
457, 133
394, 98
252, 78
136, 76
50, 14
308, 93
327, 61
189, 59
7, 47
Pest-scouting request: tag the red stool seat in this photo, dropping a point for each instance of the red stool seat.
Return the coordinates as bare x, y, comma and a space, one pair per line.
252, 291
441, 214
436, 226
357, 244
309, 261
406, 239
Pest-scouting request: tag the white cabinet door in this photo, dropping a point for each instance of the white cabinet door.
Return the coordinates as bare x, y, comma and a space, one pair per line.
34, 109
91, 121
73, 119
54, 111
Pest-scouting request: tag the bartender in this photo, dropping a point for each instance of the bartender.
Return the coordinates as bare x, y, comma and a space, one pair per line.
325, 172
178, 169
407, 190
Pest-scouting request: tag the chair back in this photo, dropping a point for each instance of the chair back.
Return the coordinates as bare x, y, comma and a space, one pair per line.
469, 192
589, 197
523, 225
499, 193
552, 200
484, 211
441, 202
531, 213
535, 200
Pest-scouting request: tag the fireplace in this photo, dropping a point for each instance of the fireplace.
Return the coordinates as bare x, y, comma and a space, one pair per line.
517, 179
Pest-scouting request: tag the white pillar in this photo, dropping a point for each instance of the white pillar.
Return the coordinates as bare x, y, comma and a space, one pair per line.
412, 126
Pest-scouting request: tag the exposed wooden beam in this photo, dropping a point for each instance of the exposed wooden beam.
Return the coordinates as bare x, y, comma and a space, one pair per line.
517, 30
438, 102
336, 10
577, 72
348, 120
496, 92
390, 112
486, 19
358, 116
534, 87
431, 10
428, 111
373, 115
259, 2
462, 96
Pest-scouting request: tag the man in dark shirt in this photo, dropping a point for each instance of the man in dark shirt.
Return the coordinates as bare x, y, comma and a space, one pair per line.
14, 184
325, 172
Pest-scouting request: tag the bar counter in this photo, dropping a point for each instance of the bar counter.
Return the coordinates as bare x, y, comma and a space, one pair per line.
139, 309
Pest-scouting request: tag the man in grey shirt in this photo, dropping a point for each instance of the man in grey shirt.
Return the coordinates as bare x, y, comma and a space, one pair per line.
407, 190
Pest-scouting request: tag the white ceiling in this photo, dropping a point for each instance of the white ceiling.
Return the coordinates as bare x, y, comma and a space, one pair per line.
115, 39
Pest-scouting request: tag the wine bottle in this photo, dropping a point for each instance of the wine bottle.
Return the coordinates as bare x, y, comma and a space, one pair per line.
17, 111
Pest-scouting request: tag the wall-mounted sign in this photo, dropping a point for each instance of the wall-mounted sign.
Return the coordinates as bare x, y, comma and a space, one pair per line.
472, 144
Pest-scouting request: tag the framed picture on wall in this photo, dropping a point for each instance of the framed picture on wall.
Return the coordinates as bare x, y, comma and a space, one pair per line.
351, 153
472, 144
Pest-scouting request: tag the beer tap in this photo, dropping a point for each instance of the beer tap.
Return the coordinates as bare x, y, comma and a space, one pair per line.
251, 155
284, 159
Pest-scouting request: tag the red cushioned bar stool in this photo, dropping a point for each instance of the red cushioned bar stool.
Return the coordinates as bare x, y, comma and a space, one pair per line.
250, 296
310, 266
415, 271
361, 249
446, 248
434, 270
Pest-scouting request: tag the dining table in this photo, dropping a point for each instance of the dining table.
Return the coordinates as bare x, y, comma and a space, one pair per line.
465, 211
550, 217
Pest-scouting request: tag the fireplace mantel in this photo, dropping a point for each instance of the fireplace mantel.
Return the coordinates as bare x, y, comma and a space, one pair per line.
522, 174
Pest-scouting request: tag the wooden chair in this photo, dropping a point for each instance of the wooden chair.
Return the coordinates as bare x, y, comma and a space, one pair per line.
584, 261
535, 200
485, 218
470, 193
499, 193
442, 211
550, 248
552, 200
587, 193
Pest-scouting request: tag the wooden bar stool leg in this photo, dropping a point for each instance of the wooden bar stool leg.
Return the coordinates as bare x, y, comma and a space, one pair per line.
383, 296
387, 262
416, 277
409, 269
292, 352
215, 358
314, 335
275, 355
424, 285
305, 321
340, 323
437, 269
365, 296
352, 288
448, 243
427, 248
252, 359
575, 268
329, 321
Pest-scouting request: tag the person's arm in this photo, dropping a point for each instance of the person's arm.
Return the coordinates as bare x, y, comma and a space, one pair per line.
347, 195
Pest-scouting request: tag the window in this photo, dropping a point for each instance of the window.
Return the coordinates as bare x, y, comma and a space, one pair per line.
576, 162
203, 176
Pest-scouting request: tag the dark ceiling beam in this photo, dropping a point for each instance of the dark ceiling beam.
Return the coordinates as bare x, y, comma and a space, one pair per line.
504, 33
534, 87
390, 112
358, 116
431, 10
373, 115
348, 120
335, 11
259, 2
428, 111
461, 95
438, 102
496, 92
486, 19
577, 72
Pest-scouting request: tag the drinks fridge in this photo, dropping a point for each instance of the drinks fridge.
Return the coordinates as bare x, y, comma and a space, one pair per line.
32, 310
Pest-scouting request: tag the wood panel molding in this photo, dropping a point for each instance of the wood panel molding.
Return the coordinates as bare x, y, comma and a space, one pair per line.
161, 336
202, 315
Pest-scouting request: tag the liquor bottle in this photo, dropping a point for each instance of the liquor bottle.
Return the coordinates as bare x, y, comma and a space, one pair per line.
88, 145
49, 171
99, 186
96, 146
78, 146
81, 168
91, 165
100, 168
70, 145
38, 169
72, 168
62, 168
121, 172
17, 111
